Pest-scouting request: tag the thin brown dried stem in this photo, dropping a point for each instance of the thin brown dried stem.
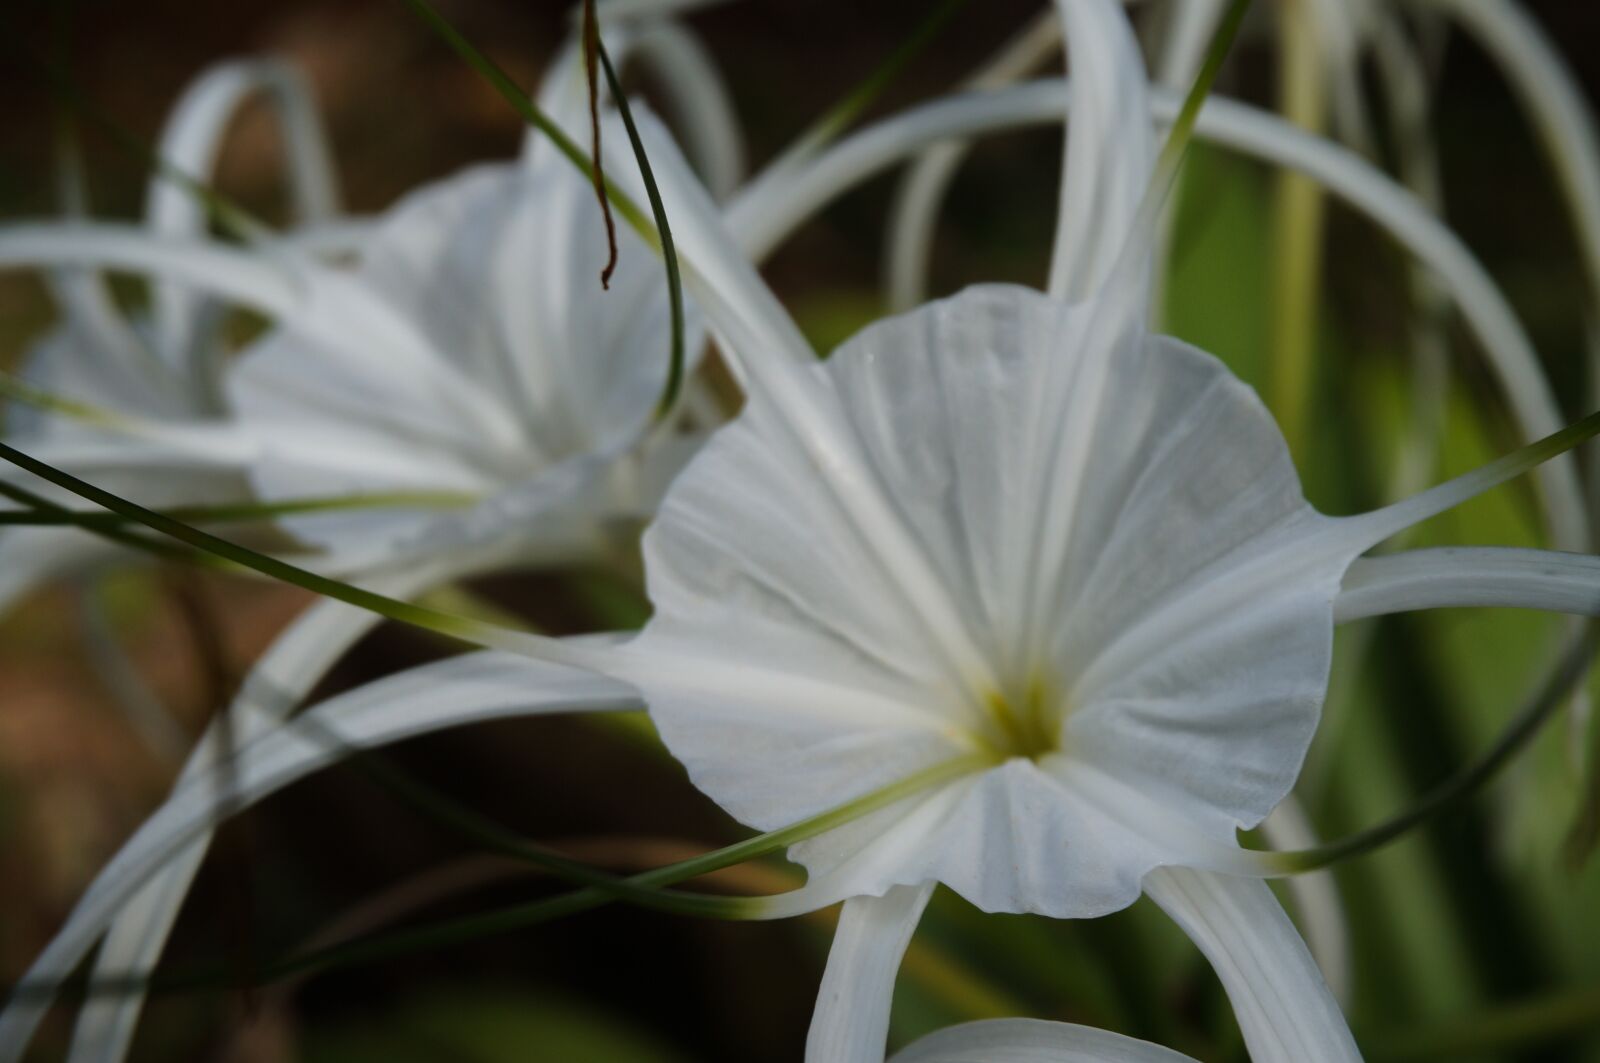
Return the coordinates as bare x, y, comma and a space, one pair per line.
591, 67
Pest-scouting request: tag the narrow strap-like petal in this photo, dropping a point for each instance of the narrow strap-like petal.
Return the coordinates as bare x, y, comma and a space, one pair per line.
190, 144
1189, 30
1316, 897
1032, 1041
908, 248
695, 94
450, 693
699, 101
320, 304
295, 662
1457, 576
1284, 1007
851, 1021
1110, 146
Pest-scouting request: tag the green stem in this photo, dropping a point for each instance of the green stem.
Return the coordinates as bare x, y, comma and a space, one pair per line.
60, 515
1299, 209
458, 628
246, 511
669, 251
524, 105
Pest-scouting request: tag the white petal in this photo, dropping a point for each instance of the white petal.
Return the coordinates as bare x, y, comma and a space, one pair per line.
699, 99
74, 360
447, 694
1110, 146
851, 1021
737, 302
557, 516
499, 268
232, 274
1032, 1041
1283, 1005
908, 248
190, 143
1189, 30
288, 669
1460, 576
1316, 897
326, 307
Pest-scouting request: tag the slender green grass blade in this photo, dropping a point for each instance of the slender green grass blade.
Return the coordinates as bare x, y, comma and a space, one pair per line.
250, 511
669, 251
461, 629
524, 106
60, 515
1471, 780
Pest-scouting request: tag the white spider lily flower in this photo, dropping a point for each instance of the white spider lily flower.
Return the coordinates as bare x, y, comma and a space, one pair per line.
1018, 527
163, 366
490, 367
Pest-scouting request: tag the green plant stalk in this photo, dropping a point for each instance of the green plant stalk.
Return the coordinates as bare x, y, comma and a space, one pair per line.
1299, 210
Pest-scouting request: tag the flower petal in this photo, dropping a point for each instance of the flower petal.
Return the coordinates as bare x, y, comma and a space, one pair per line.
1283, 1005
1110, 146
1032, 1041
851, 1021
189, 145
288, 669
1461, 576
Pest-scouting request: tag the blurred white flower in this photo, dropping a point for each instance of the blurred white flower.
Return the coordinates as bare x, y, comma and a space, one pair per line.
164, 366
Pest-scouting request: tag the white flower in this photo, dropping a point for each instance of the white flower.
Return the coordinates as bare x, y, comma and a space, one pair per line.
163, 366
470, 362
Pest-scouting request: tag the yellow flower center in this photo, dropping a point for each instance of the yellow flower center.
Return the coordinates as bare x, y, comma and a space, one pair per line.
1027, 722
